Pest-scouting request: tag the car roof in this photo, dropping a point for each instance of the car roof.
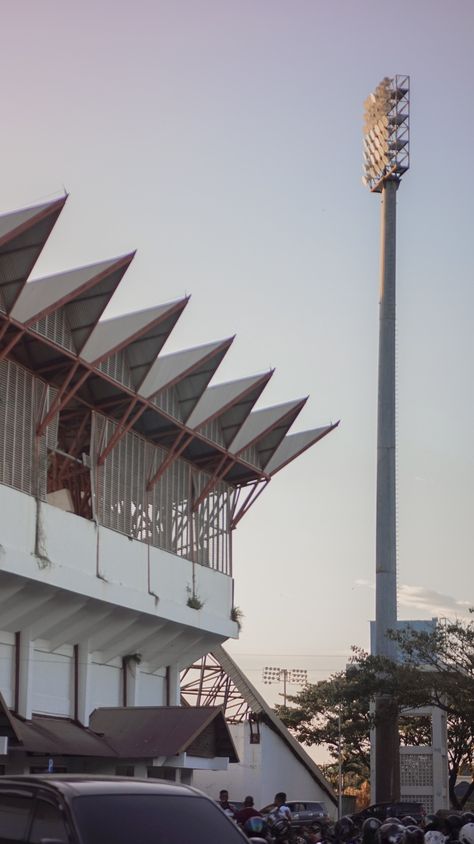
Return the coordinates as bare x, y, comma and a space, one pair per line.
74, 785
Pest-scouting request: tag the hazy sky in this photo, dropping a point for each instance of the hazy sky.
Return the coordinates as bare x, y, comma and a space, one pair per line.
222, 139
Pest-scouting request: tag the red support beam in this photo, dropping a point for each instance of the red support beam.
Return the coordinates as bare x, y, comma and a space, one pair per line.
63, 397
121, 429
6, 349
251, 499
173, 454
218, 475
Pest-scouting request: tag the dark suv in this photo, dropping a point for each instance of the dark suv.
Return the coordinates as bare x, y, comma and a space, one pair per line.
392, 810
98, 810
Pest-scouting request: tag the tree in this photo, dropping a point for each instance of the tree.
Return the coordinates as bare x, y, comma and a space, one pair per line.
435, 669
447, 656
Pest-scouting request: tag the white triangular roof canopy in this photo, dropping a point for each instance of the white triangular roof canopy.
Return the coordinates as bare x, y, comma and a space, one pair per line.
172, 368
10, 223
219, 398
23, 235
110, 335
50, 293
262, 421
293, 445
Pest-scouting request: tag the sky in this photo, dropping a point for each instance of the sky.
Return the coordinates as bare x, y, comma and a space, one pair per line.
222, 139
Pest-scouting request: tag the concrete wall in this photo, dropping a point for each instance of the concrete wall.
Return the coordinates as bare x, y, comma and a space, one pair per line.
263, 770
73, 553
7, 668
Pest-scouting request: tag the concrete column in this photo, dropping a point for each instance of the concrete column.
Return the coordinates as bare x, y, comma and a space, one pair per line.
440, 760
131, 670
386, 547
387, 767
83, 672
174, 686
24, 673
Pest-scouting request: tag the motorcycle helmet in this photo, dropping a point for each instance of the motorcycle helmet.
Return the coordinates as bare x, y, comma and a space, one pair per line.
408, 821
391, 833
414, 835
454, 824
280, 828
435, 836
466, 833
344, 829
254, 826
467, 817
369, 830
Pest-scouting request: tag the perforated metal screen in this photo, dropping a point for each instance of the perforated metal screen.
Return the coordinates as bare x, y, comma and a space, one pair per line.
24, 400
163, 515
416, 769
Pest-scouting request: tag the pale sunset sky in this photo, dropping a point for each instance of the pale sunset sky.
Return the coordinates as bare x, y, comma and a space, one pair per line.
223, 140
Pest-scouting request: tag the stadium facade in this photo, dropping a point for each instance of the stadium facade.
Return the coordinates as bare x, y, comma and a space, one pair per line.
123, 475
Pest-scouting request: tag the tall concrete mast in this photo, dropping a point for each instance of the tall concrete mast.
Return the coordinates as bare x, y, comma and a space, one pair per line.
386, 154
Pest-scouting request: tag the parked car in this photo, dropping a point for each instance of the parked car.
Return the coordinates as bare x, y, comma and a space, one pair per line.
109, 810
307, 811
392, 810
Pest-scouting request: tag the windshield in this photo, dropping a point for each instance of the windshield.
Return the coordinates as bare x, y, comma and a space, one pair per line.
152, 819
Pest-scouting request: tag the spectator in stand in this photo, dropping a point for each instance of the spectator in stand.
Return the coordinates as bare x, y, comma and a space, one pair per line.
248, 811
223, 802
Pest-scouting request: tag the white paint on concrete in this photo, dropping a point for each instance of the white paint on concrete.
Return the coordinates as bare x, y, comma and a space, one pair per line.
7, 672
263, 770
52, 684
79, 556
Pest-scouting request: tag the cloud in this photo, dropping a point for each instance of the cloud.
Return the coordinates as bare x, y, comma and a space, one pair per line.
429, 602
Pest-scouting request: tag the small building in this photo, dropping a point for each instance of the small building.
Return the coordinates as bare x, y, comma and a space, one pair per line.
123, 474
270, 758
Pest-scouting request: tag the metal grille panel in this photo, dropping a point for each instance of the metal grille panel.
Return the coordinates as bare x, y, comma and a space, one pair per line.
116, 367
213, 431
425, 799
162, 516
56, 328
168, 401
416, 769
25, 399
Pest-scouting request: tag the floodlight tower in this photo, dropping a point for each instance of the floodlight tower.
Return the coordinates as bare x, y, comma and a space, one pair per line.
299, 676
386, 159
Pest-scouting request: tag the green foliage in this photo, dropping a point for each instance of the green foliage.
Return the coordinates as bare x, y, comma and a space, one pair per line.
437, 670
194, 602
237, 615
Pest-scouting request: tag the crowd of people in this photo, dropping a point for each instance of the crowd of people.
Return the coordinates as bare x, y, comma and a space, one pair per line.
274, 824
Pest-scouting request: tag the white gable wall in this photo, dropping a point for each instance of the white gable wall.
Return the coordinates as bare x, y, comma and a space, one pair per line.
263, 770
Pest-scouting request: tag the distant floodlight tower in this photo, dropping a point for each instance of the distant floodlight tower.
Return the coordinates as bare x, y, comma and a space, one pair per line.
386, 159
298, 676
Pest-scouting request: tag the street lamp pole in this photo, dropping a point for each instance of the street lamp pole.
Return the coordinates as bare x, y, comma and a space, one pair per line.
386, 156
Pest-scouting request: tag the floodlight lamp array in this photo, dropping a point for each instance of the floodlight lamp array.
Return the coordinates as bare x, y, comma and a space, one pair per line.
291, 675
387, 132
298, 675
271, 675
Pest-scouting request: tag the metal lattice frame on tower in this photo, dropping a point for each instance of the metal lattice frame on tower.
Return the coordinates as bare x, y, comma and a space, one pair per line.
386, 159
387, 132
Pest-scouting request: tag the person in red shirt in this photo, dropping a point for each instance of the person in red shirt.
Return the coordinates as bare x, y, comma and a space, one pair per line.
248, 811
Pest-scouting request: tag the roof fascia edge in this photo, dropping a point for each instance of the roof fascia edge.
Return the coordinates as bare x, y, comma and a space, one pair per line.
71, 357
55, 205
178, 306
224, 346
124, 261
296, 409
262, 381
324, 433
